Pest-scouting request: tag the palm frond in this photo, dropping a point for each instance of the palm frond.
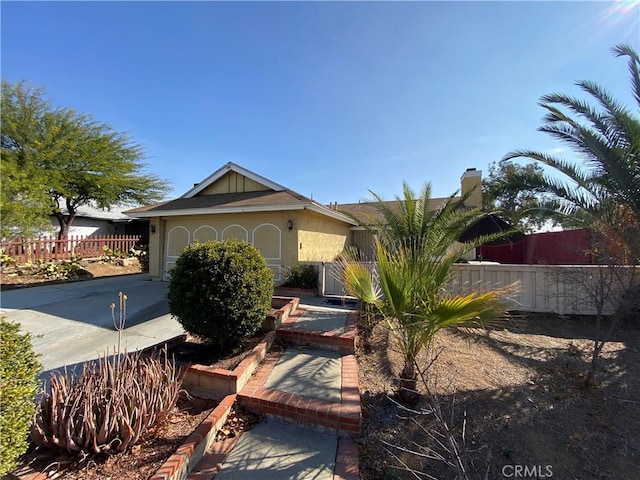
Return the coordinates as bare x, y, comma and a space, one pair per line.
624, 50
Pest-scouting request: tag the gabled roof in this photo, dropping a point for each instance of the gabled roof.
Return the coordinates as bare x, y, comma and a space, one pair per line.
274, 198
232, 167
114, 213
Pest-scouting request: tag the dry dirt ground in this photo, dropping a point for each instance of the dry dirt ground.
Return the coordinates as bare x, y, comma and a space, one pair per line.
13, 277
512, 397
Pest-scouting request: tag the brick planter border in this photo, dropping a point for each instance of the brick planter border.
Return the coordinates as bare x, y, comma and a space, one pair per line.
297, 292
179, 465
210, 382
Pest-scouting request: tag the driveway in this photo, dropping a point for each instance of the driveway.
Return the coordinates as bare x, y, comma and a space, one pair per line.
71, 322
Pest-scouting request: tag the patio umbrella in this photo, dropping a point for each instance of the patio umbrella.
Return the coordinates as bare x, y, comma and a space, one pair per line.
492, 224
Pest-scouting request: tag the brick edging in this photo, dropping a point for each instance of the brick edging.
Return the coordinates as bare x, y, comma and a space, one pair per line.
179, 465
347, 464
211, 382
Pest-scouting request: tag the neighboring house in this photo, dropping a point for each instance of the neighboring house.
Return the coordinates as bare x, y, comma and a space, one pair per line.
235, 203
92, 221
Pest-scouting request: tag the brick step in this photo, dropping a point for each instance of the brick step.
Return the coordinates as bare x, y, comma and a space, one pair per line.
341, 418
330, 417
343, 342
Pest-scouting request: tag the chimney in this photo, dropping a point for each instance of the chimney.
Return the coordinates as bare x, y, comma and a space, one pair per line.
471, 181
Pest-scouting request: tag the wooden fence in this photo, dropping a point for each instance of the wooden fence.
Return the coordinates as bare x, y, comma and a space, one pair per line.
560, 289
50, 248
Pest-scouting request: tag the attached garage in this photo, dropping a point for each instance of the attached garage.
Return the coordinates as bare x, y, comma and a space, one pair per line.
234, 203
180, 232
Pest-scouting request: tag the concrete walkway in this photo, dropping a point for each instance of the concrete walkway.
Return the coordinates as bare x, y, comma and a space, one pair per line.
311, 405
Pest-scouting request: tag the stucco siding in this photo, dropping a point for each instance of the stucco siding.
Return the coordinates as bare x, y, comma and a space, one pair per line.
268, 231
312, 238
156, 252
321, 238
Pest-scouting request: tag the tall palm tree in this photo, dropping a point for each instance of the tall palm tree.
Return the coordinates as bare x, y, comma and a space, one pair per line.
604, 189
416, 249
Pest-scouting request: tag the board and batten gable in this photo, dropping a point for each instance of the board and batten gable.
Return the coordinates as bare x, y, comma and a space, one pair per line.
233, 182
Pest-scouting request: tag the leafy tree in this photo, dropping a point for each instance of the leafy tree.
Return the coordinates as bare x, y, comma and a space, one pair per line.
603, 189
416, 249
521, 206
23, 209
57, 160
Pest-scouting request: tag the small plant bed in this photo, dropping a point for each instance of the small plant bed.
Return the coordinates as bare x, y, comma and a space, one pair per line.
141, 461
196, 351
238, 421
17, 276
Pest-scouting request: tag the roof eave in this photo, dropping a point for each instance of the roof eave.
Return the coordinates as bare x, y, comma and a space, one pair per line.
249, 209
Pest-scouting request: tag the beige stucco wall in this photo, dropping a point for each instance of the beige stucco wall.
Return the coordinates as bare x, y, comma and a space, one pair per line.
155, 247
471, 181
313, 237
321, 238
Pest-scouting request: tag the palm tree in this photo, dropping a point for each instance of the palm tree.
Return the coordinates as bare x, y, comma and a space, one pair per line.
416, 249
604, 190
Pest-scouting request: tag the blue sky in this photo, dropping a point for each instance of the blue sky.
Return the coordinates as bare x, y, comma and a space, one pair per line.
330, 99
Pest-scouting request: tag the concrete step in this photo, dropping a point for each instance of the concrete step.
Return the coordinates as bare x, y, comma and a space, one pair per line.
273, 450
317, 389
321, 328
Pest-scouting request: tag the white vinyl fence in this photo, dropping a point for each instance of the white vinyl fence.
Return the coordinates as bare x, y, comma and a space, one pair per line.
561, 289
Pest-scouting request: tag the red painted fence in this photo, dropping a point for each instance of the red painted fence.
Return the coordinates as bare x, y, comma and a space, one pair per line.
569, 247
50, 248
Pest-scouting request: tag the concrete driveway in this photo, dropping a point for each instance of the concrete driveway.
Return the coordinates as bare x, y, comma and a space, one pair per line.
71, 322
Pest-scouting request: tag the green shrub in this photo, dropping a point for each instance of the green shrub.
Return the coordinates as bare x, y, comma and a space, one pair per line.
6, 259
141, 252
112, 254
19, 367
57, 269
301, 276
221, 292
109, 405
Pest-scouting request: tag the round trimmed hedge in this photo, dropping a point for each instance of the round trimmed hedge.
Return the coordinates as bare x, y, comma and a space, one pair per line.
221, 292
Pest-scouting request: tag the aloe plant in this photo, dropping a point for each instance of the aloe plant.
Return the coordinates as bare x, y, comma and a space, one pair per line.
109, 405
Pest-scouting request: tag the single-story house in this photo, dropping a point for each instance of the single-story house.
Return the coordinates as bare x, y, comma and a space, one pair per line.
93, 221
235, 203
